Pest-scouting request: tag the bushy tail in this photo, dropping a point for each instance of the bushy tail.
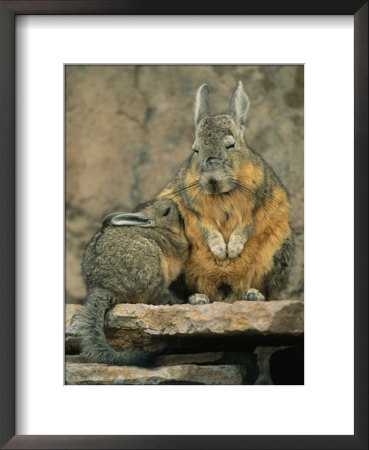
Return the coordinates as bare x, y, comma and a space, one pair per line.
92, 337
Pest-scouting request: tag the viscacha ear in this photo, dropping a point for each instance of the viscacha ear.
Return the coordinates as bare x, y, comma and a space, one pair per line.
131, 219
239, 104
201, 106
107, 219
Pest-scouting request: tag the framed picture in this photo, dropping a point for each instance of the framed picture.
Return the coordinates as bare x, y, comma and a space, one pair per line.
73, 45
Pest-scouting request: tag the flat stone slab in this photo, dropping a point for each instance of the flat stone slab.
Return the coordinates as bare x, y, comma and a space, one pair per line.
143, 325
84, 373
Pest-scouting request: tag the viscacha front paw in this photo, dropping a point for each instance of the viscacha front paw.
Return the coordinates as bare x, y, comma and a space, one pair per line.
219, 249
234, 249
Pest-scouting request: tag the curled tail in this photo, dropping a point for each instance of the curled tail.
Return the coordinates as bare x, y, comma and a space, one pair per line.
92, 337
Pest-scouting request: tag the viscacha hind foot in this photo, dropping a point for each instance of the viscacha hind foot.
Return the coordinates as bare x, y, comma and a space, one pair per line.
198, 299
253, 295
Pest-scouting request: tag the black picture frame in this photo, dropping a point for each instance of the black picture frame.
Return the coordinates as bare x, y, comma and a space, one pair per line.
8, 12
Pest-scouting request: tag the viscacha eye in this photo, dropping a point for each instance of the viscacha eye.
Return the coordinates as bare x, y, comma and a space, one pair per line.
167, 211
195, 150
229, 142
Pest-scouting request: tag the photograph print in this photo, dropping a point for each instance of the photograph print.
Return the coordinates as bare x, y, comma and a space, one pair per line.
184, 224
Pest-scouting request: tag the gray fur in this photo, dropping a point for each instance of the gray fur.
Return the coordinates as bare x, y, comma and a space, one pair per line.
124, 264
276, 278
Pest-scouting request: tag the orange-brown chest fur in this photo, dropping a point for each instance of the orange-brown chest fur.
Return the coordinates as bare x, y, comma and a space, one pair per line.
269, 226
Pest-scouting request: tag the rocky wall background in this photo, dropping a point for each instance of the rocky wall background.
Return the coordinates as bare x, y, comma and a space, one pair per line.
128, 128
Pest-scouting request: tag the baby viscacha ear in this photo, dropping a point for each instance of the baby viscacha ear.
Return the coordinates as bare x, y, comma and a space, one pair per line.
239, 105
132, 219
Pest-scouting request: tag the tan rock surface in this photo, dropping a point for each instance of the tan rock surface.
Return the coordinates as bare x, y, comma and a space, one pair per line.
83, 373
148, 325
277, 317
128, 128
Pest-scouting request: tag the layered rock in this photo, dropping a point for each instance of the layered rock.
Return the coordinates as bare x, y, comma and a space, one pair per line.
216, 326
83, 373
204, 344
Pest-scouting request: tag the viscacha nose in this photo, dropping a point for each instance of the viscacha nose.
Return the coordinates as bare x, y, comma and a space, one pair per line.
213, 163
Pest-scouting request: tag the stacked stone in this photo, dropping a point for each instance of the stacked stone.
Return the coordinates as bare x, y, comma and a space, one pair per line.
217, 343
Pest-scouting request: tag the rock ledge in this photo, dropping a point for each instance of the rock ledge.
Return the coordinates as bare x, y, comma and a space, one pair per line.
147, 325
